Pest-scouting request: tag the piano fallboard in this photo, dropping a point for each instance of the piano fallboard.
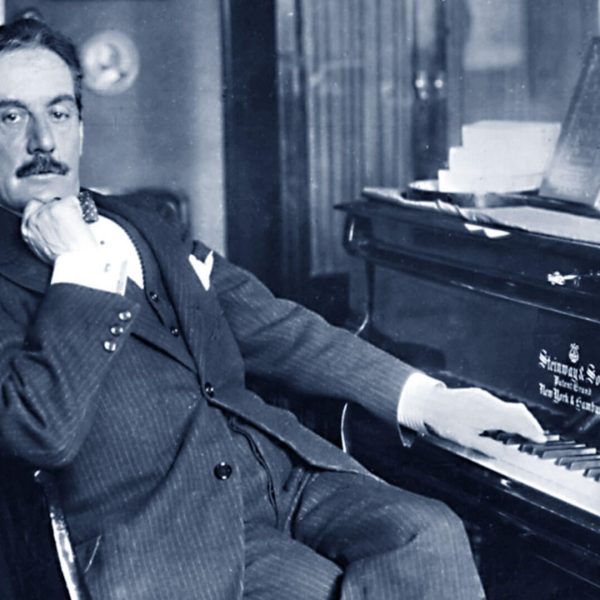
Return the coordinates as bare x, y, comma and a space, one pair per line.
447, 300
517, 314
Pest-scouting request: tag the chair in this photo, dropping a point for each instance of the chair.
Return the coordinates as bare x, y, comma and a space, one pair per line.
36, 558
66, 557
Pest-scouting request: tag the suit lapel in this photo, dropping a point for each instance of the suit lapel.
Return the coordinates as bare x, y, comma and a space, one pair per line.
194, 306
147, 328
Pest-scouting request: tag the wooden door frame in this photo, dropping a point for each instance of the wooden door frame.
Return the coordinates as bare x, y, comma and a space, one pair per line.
265, 146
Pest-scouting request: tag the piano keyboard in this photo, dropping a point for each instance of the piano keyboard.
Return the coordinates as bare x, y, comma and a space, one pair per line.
561, 467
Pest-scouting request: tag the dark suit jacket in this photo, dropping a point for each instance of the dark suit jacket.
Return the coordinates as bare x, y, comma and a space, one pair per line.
133, 449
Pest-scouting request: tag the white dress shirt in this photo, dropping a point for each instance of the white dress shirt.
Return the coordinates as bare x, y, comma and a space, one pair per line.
106, 267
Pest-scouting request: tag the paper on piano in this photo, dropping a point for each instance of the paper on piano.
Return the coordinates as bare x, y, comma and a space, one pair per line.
525, 218
534, 220
499, 183
393, 195
500, 157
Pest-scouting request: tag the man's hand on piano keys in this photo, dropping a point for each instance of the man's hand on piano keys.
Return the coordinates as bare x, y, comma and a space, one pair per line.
463, 415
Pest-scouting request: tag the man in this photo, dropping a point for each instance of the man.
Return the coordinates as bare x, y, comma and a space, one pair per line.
123, 354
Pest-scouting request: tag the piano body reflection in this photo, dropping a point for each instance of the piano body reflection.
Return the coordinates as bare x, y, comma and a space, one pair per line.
514, 312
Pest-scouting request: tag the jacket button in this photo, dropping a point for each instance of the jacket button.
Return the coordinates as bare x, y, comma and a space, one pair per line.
125, 316
117, 329
110, 346
223, 471
153, 296
175, 331
209, 390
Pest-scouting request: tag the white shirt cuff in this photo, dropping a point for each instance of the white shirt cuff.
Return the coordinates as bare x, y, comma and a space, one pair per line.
416, 392
96, 269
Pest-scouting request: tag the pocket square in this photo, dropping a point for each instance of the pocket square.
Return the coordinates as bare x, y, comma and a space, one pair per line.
203, 268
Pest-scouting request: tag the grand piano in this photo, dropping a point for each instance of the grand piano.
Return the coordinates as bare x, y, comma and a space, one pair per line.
515, 312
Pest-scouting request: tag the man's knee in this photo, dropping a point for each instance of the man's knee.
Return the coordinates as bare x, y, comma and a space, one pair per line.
417, 548
442, 524
427, 523
373, 517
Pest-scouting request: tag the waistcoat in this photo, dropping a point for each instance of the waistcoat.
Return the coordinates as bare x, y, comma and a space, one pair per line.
263, 464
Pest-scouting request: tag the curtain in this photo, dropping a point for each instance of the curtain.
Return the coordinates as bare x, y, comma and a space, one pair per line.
357, 83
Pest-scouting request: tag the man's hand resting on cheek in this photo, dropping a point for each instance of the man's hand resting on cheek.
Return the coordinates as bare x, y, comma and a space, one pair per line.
56, 227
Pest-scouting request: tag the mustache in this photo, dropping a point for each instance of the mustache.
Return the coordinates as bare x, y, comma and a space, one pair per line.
41, 164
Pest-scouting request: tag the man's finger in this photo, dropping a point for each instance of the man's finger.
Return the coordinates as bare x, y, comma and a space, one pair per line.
483, 445
518, 419
30, 208
510, 417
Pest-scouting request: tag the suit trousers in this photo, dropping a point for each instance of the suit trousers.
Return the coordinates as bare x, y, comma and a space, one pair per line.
321, 535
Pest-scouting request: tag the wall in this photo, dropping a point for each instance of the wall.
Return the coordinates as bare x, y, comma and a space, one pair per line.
165, 131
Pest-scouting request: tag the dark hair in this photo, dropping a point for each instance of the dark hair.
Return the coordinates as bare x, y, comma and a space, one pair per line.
32, 33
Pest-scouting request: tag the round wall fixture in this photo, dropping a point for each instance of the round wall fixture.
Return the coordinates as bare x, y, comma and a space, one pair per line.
110, 62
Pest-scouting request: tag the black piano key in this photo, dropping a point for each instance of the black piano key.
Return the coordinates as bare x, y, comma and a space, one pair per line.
513, 440
532, 447
580, 463
593, 473
509, 438
557, 452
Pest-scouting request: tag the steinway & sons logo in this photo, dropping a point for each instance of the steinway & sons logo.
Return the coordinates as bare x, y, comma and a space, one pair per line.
574, 353
573, 383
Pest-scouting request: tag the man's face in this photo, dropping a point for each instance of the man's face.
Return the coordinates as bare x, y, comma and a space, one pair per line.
40, 130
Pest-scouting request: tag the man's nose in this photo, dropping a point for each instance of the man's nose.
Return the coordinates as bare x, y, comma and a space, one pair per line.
40, 137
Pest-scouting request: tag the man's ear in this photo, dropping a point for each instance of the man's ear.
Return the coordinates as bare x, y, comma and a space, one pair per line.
80, 138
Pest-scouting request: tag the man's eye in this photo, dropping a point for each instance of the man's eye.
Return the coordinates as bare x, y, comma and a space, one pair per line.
60, 115
11, 117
